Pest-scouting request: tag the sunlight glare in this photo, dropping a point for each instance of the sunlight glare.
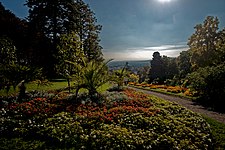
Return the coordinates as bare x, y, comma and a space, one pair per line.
164, 1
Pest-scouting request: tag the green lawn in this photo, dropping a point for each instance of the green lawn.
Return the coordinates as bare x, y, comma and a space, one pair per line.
32, 86
53, 85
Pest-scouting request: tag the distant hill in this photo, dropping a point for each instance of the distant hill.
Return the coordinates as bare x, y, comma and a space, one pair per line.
135, 64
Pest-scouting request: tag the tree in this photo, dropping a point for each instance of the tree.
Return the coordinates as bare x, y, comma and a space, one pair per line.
157, 71
209, 83
15, 29
11, 71
7, 58
143, 73
54, 18
221, 46
184, 64
170, 67
7, 52
69, 50
88, 30
207, 55
203, 43
214, 91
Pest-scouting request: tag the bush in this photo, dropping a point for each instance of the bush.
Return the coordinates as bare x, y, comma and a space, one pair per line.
214, 91
197, 80
209, 82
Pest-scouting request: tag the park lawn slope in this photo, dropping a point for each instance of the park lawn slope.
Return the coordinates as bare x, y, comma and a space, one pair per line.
48, 86
121, 120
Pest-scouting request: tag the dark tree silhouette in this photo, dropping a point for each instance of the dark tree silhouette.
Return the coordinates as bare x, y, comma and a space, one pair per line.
54, 18
157, 70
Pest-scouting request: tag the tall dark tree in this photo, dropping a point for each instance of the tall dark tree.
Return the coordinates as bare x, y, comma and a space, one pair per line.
32, 47
170, 67
15, 29
84, 23
58, 17
157, 70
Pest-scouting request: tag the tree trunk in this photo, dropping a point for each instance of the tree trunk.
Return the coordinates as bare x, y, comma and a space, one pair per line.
68, 82
92, 93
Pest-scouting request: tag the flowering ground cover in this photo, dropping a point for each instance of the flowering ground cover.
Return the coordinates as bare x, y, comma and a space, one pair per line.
177, 90
121, 120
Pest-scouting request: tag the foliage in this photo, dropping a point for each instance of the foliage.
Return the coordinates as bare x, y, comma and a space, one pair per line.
209, 83
167, 89
41, 83
55, 18
90, 75
214, 91
162, 68
15, 73
119, 76
69, 49
12, 72
218, 132
125, 120
184, 64
203, 43
7, 59
170, 67
15, 29
133, 78
143, 73
7, 52
157, 69
221, 46
196, 79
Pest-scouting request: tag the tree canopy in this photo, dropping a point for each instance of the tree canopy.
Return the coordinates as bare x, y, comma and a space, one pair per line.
203, 43
55, 18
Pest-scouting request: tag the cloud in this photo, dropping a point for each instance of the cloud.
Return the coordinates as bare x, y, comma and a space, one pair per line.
145, 53
166, 47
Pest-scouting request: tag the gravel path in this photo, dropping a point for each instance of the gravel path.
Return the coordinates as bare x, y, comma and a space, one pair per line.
189, 105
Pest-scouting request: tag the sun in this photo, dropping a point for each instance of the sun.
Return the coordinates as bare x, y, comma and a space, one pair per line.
164, 1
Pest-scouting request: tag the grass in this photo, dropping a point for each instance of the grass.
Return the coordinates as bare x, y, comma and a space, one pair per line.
54, 85
51, 86
33, 86
218, 132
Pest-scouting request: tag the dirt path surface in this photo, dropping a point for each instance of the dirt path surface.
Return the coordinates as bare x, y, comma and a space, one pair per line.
188, 104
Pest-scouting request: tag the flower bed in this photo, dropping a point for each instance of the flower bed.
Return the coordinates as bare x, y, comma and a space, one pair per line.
122, 120
165, 88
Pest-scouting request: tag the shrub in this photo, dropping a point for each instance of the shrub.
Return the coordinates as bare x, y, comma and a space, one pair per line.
209, 83
214, 91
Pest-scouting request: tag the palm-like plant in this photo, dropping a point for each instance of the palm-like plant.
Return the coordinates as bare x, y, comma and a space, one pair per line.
119, 76
90, 75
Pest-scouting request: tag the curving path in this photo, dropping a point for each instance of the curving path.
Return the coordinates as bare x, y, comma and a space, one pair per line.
188, 104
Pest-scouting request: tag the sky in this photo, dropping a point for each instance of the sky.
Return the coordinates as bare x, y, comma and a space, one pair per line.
134, 29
